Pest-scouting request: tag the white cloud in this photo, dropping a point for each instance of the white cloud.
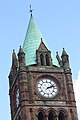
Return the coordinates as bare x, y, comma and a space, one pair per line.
77, 92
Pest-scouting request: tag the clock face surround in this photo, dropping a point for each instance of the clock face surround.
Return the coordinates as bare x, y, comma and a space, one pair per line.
47, 87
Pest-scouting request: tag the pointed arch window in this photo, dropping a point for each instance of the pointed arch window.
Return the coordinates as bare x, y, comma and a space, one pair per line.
42, 59
17, 98
47, 60
14, 98
40, 116
61, 116
51, 116
72, 114
19, 118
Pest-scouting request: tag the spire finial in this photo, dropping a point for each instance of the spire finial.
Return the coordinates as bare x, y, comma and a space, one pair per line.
31, 10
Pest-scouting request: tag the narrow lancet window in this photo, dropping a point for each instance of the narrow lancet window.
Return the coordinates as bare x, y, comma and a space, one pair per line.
47, 60
51, 116
42, 59
40, 116
61, 116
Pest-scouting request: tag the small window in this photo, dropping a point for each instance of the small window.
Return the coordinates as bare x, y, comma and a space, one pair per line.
40, 116
51, 116
42, 59
61, 116
17, 98
72, 114
19, 118
47, 60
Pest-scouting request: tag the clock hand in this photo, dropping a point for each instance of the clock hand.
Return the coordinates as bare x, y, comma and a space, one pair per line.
50, 86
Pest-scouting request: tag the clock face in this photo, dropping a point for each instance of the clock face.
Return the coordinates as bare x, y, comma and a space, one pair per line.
47, 88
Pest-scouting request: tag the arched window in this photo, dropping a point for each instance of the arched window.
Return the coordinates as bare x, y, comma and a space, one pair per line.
14, 98
61, 116
40, 116
72, 114
19, 118
17, 97
47, 60
42, 59
51, 116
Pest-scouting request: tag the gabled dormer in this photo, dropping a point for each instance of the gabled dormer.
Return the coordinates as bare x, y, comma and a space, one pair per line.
43, 55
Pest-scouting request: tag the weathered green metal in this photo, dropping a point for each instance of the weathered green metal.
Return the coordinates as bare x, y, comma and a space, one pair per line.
32, 42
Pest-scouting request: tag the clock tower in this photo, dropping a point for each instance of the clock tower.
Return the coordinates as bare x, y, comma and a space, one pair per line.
40, 86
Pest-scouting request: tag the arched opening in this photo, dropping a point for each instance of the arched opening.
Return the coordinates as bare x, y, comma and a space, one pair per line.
19, 118
42, 59
51, 116
40, 116
72, 114
14, 98
47, 60
61, 116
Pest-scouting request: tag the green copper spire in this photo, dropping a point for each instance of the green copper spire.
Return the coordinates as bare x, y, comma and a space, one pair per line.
32, 42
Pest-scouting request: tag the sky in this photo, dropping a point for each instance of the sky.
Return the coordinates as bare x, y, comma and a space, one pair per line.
58, 21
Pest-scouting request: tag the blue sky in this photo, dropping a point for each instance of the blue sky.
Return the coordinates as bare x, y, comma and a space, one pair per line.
59, 22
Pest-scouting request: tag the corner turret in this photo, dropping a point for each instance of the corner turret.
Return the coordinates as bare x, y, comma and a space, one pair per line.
14, 60
68, 75
21, 58
14, 68
65, 61
58, 58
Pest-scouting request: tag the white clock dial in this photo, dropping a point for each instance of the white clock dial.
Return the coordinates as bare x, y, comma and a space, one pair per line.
47, 88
